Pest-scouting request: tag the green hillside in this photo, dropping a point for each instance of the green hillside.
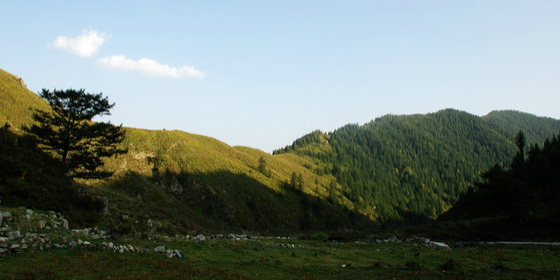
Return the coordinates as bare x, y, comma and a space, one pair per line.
393, 170
180, 181
410, 169
16, 101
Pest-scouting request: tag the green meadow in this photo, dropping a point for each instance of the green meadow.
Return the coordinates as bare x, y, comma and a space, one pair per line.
264, 258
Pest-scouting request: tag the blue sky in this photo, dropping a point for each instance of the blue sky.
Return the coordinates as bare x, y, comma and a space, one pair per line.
263, 73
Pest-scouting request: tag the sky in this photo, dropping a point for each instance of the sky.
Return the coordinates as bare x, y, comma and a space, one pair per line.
264, 73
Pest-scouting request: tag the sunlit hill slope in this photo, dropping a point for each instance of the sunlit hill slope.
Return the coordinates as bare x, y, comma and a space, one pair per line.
393, 170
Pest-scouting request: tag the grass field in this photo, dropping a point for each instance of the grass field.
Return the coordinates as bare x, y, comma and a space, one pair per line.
266, 259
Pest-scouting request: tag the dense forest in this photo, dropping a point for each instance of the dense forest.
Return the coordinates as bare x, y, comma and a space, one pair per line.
411, 169
522, 201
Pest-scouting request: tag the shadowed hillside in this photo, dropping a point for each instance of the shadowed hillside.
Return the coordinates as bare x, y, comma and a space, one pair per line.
183, 181
521, 202
393, 170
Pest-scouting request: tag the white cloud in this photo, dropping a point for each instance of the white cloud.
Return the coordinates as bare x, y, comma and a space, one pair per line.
149, 66
85, 45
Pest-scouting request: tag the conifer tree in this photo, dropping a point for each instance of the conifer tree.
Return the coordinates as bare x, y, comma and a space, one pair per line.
71, 134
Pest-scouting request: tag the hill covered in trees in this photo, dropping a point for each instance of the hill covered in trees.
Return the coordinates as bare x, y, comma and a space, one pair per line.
411, 169
519, 202
393, 170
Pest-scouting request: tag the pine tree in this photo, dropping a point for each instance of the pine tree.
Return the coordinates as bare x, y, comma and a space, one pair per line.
71, 134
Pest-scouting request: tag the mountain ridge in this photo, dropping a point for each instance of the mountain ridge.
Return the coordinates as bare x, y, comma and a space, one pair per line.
379, 170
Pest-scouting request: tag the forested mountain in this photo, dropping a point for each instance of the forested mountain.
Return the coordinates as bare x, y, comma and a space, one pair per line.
393, 170
409, 169
536, 129
521, 202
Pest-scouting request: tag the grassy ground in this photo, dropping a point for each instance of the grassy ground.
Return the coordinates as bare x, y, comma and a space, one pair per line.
264, 259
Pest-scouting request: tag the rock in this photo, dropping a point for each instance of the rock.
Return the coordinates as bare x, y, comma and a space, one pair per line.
179, 254
150, 223
28, 214
169, 253
159, 249
199, 238
3, 239
110, 245
64, 224
439, 245
86, 243
392, 239
3, 251
7, 215
13, 235
41, 224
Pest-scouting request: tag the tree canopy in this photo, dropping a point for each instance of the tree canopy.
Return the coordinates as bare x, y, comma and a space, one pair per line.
71, 134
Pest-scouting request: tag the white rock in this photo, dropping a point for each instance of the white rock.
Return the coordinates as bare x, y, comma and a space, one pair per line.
64, 224
179, 254
159, 249
440, 245
199, 237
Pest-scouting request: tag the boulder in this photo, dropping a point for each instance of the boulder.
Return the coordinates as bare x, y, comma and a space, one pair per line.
159, 250
64, 224
169, 253
439, 245
199, 238
13, 235
179, 254
41, 224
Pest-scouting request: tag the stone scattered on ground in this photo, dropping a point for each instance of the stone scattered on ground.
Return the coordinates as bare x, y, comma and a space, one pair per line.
32, 231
